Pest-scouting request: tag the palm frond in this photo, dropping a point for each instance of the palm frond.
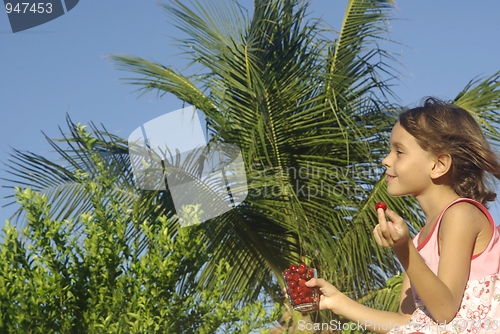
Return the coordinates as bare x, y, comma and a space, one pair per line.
482, 98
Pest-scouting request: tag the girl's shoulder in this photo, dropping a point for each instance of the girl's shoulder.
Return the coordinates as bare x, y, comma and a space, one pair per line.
467, 210
467, 227
466, 219
466, 216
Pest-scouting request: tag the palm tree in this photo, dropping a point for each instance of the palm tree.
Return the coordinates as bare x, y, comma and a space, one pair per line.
308, 116
311, 116
297, 105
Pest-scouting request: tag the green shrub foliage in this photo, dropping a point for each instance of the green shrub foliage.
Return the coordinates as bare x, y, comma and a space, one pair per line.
55, 279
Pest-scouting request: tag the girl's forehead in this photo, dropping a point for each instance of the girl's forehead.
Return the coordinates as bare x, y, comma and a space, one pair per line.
399, 131
400, 136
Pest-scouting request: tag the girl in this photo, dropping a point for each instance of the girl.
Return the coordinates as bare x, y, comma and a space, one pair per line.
439, 155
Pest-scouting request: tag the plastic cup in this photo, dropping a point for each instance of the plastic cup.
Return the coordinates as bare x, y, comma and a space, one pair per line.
301, 297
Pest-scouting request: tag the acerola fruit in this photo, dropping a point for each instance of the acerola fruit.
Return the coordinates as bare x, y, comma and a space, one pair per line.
381, 205
298, 293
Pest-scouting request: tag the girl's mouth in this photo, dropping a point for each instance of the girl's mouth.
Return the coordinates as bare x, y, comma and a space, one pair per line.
390, 177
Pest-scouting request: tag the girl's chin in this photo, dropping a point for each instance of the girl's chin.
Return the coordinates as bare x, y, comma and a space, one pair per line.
397, 193
394, 192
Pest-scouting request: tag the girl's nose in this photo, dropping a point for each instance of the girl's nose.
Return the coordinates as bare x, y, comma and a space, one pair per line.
385, 161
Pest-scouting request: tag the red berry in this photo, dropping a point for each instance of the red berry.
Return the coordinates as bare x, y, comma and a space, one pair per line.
286, 272
298, 301
306, 290
381, 205
302, 282
292, 284
288, 278
295, 276
301, 270
293, 268
294, 296
310, 272
307, 299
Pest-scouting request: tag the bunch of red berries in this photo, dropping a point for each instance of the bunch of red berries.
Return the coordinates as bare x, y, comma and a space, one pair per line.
301, 297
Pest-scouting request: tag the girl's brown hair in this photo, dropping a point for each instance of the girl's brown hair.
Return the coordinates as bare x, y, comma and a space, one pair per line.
445, 128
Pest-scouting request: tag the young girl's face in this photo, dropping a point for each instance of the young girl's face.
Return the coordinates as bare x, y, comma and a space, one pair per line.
408, 165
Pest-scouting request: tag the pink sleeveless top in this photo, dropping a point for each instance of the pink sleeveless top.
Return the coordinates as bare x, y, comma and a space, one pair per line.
480, 308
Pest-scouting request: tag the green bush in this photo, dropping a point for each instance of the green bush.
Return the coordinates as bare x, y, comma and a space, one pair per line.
54, 279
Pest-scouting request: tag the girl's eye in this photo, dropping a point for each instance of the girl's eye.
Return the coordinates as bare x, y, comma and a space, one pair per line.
399, 152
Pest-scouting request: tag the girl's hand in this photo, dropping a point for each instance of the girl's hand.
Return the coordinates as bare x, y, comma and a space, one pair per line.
329, 296
391, 233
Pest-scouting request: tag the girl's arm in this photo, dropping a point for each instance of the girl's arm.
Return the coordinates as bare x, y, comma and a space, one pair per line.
442, 293
368, 318
406, 303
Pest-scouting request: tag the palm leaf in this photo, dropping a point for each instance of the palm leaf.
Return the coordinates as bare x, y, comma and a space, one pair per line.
482, 98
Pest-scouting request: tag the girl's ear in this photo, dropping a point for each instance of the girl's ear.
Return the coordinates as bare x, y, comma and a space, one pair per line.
442, 164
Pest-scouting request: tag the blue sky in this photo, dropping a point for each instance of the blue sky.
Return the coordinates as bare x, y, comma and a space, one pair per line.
61, 67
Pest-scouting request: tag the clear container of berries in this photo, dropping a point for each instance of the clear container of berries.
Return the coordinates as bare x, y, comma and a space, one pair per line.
302, 298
